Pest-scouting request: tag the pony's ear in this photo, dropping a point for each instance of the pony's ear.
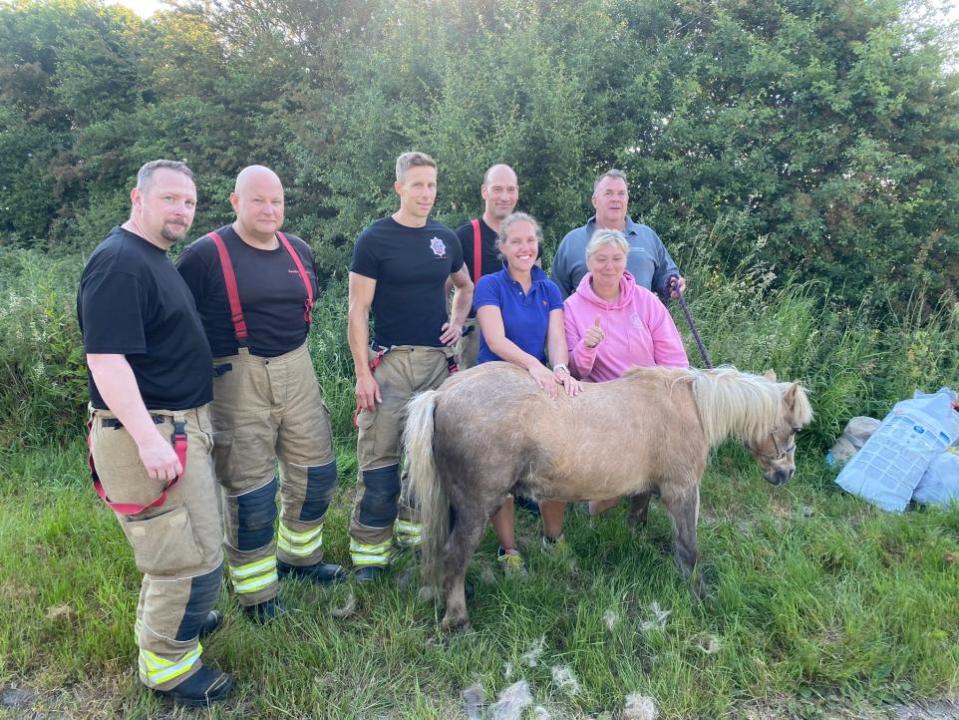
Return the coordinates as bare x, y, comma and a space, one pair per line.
789, 397
770, 375
799, 411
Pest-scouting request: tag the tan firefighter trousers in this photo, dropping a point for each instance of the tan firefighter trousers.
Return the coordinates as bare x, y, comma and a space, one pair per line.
264, 410
402, 372
177, 546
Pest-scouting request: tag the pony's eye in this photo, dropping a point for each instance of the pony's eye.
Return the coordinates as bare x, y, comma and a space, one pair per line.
796, 430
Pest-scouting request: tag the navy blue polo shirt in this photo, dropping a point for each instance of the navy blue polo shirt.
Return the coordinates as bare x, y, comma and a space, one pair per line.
525, 315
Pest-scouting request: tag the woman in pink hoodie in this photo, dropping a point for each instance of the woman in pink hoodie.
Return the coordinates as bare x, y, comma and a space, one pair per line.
613, 324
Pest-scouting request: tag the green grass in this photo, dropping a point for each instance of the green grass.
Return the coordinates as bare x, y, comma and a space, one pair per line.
816, 597
812, 593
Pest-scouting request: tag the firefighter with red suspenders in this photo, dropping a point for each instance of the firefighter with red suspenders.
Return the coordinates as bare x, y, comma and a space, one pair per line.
500, 193
150, 431
399, 271
254, 288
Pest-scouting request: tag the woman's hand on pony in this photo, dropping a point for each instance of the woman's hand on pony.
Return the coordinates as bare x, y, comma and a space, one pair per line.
545, 378
573, 386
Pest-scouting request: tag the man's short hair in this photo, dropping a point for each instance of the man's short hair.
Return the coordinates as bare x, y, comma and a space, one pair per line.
145, 174
611, 173
411, 160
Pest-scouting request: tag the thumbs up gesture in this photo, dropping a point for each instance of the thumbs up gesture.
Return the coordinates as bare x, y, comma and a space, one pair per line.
594, 334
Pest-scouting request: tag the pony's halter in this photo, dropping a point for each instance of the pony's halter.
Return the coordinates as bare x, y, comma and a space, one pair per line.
781, 451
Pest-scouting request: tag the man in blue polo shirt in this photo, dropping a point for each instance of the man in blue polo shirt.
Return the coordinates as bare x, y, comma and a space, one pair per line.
649, 262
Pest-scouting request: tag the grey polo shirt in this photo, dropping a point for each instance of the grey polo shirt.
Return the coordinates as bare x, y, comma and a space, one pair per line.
648, 261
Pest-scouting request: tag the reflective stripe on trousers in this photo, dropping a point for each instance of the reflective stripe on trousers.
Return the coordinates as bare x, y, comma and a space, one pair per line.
300, 544
408, 534
154, 670
254, 576
379, 554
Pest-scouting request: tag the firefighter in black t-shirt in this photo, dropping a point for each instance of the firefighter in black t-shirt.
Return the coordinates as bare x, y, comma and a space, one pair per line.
254, 287
150, 431
500, 193
399, 271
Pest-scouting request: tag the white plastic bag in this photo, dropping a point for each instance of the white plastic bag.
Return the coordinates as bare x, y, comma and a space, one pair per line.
940, 483
890, 465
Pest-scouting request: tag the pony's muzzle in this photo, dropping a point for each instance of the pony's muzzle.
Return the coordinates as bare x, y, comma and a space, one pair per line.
779, 476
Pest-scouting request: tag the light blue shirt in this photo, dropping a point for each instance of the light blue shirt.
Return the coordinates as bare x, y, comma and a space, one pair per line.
648, 261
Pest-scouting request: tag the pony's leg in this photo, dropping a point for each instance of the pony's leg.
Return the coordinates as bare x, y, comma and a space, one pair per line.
638, 509
457, 553
683, 508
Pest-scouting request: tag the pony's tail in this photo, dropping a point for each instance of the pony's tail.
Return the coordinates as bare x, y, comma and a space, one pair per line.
425, 485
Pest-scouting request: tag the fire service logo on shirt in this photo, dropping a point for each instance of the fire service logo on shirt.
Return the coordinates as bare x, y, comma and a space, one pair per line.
437, 246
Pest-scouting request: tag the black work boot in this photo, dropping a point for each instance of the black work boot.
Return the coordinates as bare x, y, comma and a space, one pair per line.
320, 573
264, 612
368, 573
212, 623
202, 688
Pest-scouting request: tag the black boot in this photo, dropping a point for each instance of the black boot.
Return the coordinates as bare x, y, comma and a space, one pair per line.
264, 612
368, 573
202, 688
212, 623
320, 573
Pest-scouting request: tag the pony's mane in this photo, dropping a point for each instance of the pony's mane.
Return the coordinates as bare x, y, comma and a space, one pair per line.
741, 405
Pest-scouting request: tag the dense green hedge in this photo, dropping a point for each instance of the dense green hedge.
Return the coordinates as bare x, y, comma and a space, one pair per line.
827, 130
799, 157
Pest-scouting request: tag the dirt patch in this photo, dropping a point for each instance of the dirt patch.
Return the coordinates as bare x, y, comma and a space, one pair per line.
793, 709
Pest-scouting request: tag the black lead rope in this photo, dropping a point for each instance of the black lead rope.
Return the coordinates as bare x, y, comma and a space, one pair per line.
672, 285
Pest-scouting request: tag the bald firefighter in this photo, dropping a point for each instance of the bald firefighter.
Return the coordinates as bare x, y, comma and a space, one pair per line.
500, 193
255, 287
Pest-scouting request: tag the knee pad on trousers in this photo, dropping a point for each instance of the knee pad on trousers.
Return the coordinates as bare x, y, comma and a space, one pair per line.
380, 493
320, 485
203, 593
255, 517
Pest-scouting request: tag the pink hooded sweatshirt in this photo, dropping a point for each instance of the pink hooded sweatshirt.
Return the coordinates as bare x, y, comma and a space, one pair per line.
637, 327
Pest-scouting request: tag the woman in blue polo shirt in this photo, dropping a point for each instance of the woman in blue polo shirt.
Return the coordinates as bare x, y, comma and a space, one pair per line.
520, 313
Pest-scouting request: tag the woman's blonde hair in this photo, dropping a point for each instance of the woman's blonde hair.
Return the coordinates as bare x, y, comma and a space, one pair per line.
602, 238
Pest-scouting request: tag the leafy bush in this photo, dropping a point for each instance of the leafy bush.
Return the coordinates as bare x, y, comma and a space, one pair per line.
855, 361
43, 384
829, 129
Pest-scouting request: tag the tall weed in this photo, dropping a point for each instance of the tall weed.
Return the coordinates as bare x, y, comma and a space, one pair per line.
855, 360
42, 376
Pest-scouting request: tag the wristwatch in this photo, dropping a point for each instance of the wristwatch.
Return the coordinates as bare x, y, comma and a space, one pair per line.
561, 366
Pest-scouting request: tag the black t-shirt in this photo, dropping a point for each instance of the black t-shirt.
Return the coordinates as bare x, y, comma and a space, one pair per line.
272, 294
490, 261
133, 302
410, 266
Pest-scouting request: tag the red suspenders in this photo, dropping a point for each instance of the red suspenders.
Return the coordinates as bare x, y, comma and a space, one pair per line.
308, 303
477, 251
233, 293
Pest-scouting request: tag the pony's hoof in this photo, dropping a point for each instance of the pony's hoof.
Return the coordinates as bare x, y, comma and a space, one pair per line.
456, 625
697, 585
